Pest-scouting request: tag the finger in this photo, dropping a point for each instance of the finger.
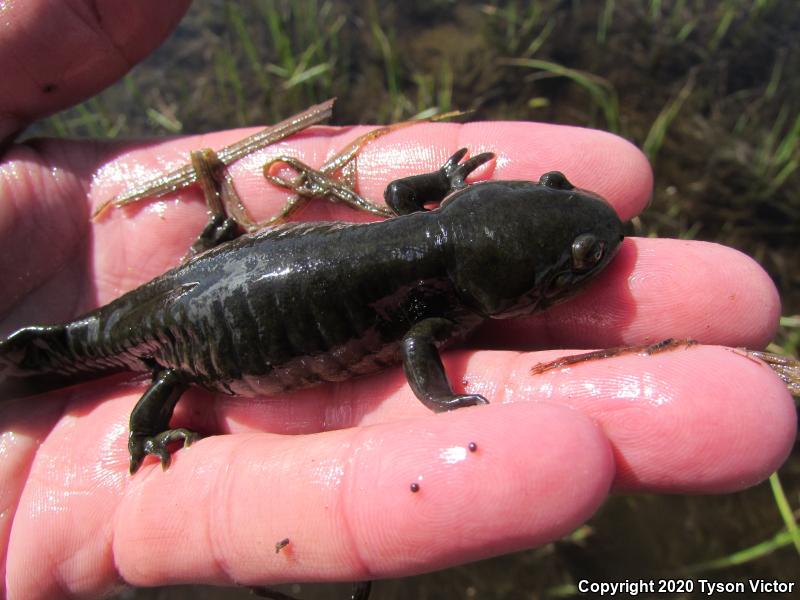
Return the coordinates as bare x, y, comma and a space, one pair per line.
343, 498
676, 422
48, 206
694, 419
595, 160
713, 294
58, 53
73, 483
653, 290
18, 446
45, 232
421, 148
538, 471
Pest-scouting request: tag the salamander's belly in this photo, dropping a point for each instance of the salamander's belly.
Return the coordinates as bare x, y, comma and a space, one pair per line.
351, 359
265, 328
253, 338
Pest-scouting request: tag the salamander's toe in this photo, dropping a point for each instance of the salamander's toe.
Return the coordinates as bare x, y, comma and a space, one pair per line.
448, 403
140, 446
136, 461
469, 400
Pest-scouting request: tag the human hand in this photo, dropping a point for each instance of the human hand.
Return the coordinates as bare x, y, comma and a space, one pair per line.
330, 468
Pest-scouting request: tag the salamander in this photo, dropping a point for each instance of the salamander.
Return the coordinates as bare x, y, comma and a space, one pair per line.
302, 304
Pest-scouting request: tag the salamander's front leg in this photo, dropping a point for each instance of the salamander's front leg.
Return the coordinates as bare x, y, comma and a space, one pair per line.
424, 368
411, 194
149, 423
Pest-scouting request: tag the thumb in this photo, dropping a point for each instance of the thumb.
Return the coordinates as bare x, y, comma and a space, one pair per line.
55, 54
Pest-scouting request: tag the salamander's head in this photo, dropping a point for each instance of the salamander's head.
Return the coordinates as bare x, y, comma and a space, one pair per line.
519, 246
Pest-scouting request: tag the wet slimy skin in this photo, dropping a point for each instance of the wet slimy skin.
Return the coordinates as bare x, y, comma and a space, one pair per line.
306, 303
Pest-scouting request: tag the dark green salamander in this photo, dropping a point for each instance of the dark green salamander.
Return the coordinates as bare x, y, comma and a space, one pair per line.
307, 303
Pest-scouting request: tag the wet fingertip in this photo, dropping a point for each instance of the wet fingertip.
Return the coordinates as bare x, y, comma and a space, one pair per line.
616, 169
595, 160
773, 423
477, 483
760, 291
721, 297
698, 419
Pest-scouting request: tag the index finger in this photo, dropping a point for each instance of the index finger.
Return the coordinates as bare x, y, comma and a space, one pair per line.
53, 186
591, 159
595, 160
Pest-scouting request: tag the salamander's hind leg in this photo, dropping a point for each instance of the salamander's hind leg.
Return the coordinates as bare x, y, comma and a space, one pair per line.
411, 194
424, 369
226, 213
149, 423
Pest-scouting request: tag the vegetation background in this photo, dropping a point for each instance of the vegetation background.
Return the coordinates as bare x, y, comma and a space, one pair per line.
709, 89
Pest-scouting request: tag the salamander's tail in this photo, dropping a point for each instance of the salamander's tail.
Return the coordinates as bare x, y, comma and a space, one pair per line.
38, 359
32, 350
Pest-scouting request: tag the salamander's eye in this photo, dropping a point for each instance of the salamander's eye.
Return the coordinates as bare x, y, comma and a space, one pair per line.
587, 251
556, 180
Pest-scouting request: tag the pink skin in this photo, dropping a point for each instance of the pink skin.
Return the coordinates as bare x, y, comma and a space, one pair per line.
330, 468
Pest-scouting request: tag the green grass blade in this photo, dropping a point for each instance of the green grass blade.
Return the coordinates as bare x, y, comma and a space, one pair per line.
604, 24
789, 144
280, 38
230, 80
540, 39
791, 321
723, 26
601, 91
765, 548
658, 130
236, 20
781, 177
59, 125
655, 10
308, 75
786, 511
168, 123
386, 49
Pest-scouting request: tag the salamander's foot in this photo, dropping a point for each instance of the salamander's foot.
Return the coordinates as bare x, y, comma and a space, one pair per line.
453, 402
140, 446
456, 172
219, 229
424, 369
227, 216
411, 194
